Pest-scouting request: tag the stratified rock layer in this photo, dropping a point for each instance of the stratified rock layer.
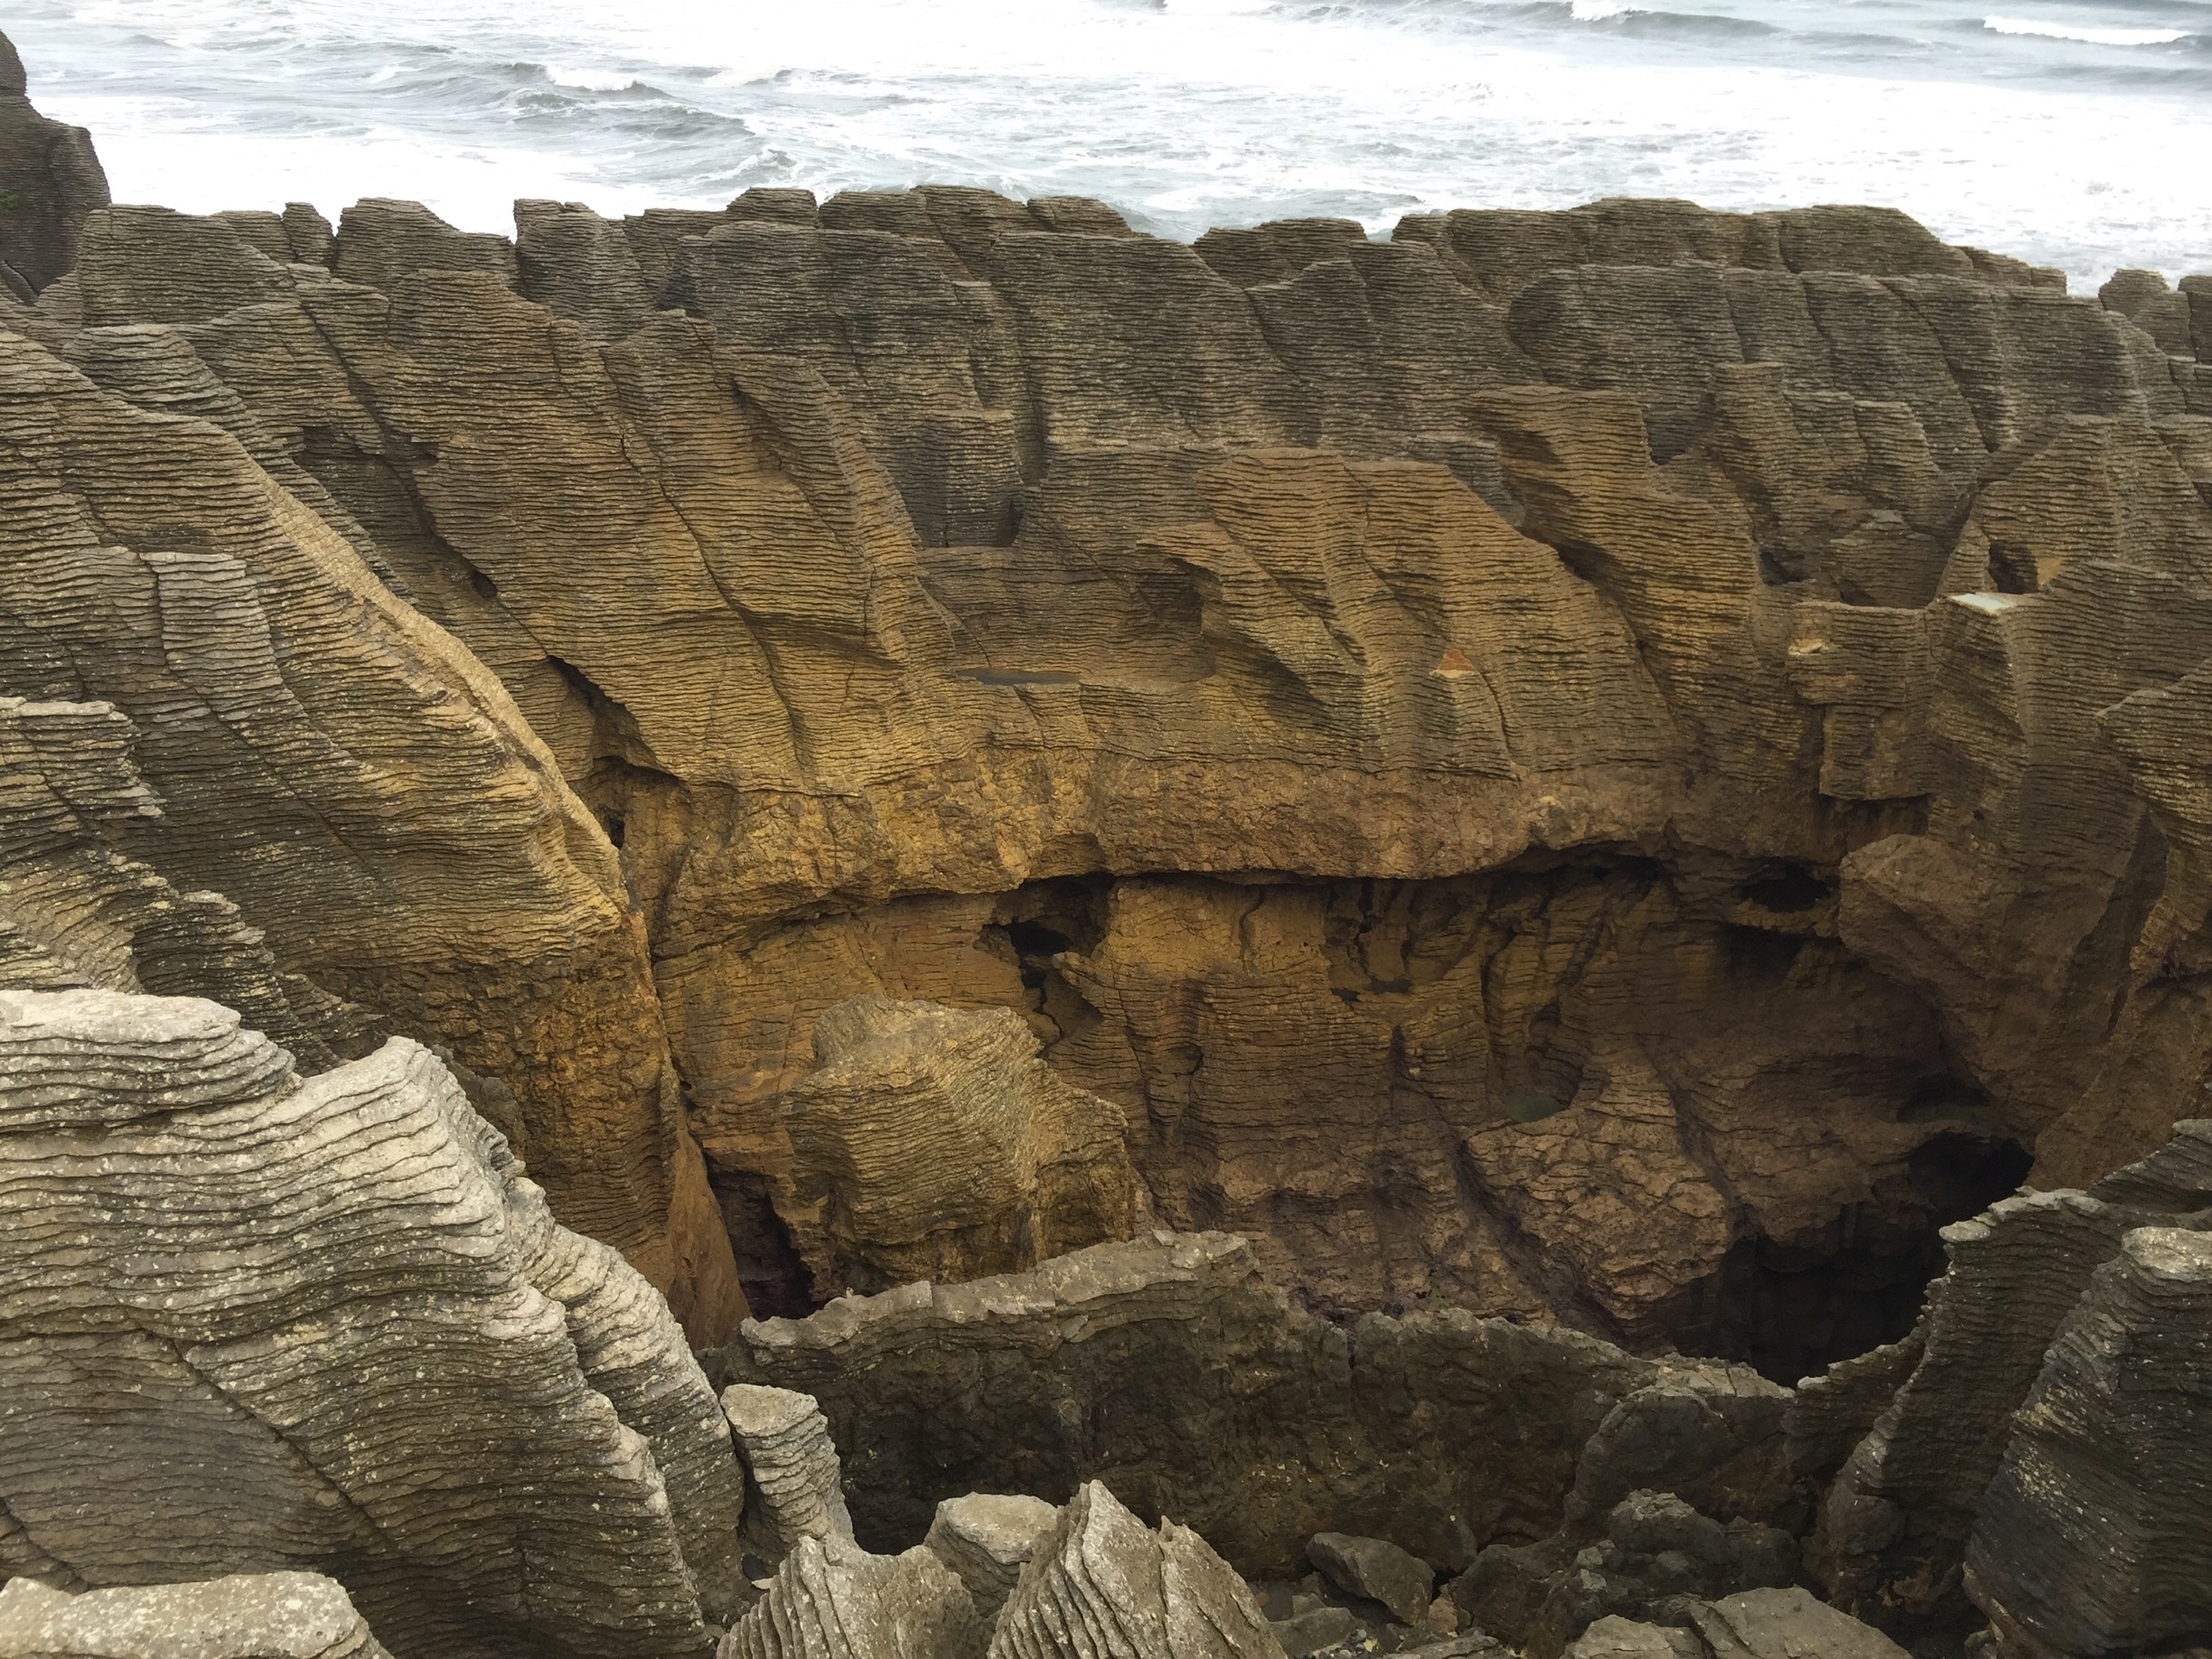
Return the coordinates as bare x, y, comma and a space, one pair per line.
1895, 1523
1102, 1584
832, 1600
50, 180
250, 1322
1622, 766
2095, 1536
1437, 1431
937, 1146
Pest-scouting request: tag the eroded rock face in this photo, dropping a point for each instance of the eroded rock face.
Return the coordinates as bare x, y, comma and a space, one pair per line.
243, 767
1102, 1583
1436, 1432
248, 1316
1895, 1525
2094, 1536
50, 180
1616, 766
832, 1600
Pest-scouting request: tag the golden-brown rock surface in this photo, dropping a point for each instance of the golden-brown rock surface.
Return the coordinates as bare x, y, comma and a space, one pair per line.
1619, 766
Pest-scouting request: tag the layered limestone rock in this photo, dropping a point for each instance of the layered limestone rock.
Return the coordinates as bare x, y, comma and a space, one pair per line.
936, 1145
832, 1600
251, 1322
1763, 1624
985, 1538
2095, 1536
247, 1616
794, 1489
1618, 766
1438, 1432
1895, 1526
286, 790
1100, 1583
50, 180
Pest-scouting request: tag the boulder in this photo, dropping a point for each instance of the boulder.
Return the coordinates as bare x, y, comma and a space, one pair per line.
247, 1615
1377, 1569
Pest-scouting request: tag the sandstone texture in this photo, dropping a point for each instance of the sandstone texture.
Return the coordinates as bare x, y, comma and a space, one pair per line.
1103, 1584
247, 1615
251, 1322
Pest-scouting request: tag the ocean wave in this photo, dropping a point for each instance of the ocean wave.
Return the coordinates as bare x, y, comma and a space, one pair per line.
590, 80
2086, 33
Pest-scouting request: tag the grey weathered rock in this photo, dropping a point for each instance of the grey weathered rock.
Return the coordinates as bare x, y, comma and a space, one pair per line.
2095, 1536
1443, 1430
50, 180
985, 1538
1787, 1624
1376, 1569
1615, 1637
832, 1600
794, 1486
1762, 1624
255, 1322
247, 1615
1315, 1630
380, 242
1895, 1524
1655, 1556
1103, 1584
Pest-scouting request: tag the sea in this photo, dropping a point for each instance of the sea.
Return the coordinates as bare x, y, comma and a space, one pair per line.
2074, 133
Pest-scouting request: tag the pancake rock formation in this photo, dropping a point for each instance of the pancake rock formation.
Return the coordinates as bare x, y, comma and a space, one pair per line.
252, 1323
1412, 903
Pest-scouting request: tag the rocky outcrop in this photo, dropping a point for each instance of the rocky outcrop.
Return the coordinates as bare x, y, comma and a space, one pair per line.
240, 731
1763, 1624
1614, 766
265, 1616
933, 1143
985, 1539
250, 1322
832, 1600
1895, 1526
2095, 1536
49, 181
1436, 1432
794, 1486
1100, 1583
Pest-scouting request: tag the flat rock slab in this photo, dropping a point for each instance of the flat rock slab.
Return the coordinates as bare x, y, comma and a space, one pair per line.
1377, 1569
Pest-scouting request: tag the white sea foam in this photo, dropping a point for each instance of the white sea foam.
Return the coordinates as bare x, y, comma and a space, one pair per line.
590, 80
2086, 34
1183, 113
